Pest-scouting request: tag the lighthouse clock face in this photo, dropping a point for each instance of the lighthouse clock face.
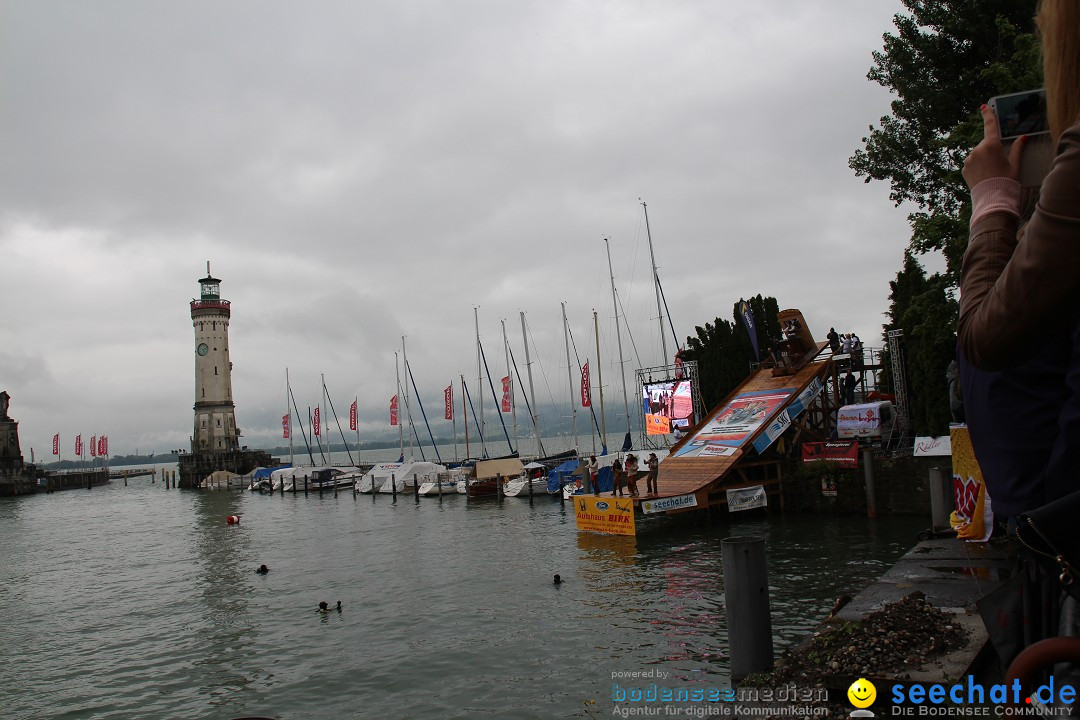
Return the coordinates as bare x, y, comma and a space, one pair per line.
203, 349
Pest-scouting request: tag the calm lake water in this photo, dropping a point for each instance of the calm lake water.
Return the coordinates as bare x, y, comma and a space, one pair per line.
140, 602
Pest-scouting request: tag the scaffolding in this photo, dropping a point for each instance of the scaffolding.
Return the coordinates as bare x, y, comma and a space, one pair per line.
686, 370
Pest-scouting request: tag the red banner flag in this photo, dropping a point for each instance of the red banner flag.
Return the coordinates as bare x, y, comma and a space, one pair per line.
448, 398
56, 444
101, 446
352, 416
842, 452
105, 447
285, 426
506, 394
78, 445
393, 410
586, 395
93, 446
318, 432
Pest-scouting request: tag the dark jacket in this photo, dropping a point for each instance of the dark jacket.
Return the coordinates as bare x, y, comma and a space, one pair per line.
1019, 343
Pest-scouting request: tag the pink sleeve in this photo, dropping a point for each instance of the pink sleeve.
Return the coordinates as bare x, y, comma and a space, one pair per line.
995, 195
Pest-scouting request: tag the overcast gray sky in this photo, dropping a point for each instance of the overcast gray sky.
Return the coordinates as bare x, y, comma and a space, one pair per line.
359, 171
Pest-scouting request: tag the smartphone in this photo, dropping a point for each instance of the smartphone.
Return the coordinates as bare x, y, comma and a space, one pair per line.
1022, 113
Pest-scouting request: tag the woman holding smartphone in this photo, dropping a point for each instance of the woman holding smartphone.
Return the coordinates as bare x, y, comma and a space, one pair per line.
1019, 334
1020, 299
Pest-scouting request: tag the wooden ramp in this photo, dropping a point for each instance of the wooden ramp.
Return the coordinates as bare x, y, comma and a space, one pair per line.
706, 464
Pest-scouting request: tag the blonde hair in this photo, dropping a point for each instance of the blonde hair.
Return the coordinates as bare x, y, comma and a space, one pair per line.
1059, 23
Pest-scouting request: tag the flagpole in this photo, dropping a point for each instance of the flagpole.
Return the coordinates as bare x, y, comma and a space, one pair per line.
453, 420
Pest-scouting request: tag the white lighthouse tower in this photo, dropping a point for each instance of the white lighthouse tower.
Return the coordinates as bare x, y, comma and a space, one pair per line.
215, 416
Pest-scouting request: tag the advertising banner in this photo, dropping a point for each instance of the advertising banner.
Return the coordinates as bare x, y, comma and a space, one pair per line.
748, 320
736, 421
933, 446
746, 498
352, 415
842, 452
93, 446
657, 425
317, 431
671, 503
56, 444
973, 517
613, 516
586, 395
448, 400
78, 445
506, 394
393, 410
285, 427
865, 420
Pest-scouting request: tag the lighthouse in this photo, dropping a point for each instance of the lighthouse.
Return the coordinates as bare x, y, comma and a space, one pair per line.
215, 439
215, 414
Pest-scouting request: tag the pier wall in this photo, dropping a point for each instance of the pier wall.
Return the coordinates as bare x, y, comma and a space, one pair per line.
902, 486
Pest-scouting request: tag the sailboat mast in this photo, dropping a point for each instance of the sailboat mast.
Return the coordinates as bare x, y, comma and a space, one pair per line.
510, 386
479, 381
532, 391
408, 408
465, 417
400, 430
322, 418
570, 373
618, 336
288, 413
656, 283
600, 385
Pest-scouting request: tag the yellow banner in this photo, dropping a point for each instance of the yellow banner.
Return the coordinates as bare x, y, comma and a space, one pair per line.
973, 518
657, 424
612, 515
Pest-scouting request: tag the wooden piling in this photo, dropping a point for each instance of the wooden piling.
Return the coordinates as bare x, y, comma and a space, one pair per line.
746, 598
393, 486
416, 487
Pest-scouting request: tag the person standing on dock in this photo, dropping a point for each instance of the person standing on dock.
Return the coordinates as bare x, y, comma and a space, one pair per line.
631, 474
619, 480
654, 471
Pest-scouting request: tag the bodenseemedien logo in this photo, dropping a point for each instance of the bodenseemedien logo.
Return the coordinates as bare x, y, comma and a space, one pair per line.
862, 695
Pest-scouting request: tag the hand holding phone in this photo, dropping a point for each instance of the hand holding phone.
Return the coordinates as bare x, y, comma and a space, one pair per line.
1023, 114
1015, 143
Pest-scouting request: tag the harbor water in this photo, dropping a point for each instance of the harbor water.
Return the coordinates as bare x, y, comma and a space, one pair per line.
135, 602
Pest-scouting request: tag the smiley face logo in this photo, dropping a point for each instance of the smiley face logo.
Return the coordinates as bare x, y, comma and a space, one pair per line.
862, 693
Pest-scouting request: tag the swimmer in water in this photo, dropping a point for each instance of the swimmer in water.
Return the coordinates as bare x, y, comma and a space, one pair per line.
325, 608
263, 570
557, 580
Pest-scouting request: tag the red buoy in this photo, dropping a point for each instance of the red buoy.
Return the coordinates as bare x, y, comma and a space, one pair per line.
234, 520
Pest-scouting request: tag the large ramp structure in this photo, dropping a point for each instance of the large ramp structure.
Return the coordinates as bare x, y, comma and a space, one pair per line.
731, 447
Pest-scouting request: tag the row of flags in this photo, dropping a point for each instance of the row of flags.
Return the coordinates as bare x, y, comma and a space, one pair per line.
316, 420
99, 445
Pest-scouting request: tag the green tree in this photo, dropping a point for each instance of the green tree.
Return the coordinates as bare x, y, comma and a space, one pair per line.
945, 60
922, 307
723, 350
